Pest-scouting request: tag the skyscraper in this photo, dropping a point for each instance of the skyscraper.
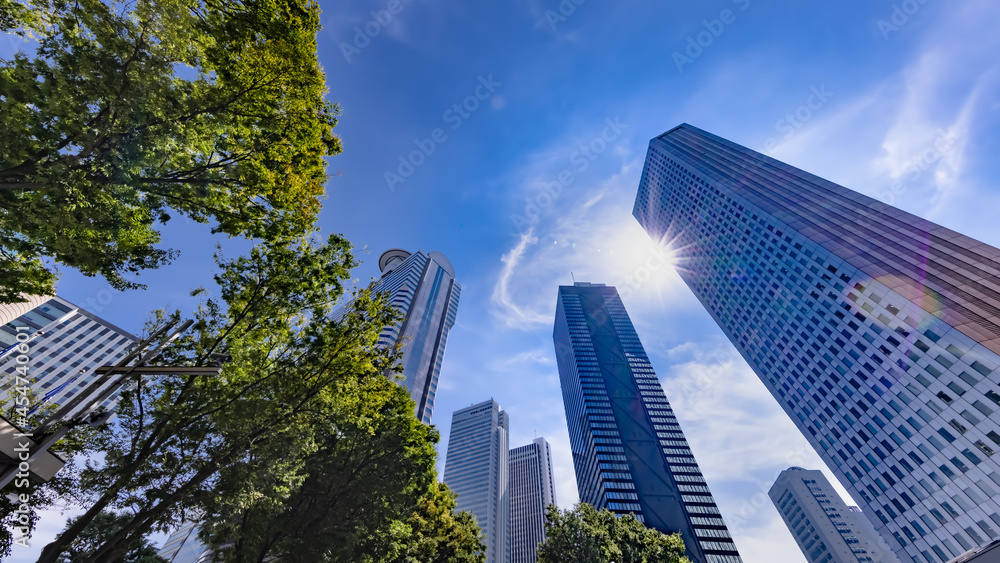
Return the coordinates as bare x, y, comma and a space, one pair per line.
422, 287
532, 488
183, 546
826, 529
629, 453
63, 344
877, 331
476, 469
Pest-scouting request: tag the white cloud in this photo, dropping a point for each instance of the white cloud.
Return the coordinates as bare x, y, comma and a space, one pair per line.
590, 242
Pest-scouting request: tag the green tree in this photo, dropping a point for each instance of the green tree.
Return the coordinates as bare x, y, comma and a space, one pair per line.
180, 444
373, 459
102, 527
432, 533
586, 534
130, 111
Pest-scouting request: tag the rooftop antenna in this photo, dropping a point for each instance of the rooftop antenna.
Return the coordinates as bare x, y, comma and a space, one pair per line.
572, 276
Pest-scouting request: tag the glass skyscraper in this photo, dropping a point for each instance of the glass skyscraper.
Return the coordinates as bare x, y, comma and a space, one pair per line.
422, 287
183, 546
64, 345
476, 469
629, 452
532, 488
826, 529
877, 331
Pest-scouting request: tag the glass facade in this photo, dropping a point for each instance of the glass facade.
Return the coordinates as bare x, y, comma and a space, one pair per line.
63, 343
183, 546
422, 287
877, 331
476, 468
629, 452
531, 490
826, 529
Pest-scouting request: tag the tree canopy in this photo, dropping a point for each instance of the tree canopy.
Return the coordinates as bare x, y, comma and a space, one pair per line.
293, 383
102, 527
586, 534
432, 533
129, 112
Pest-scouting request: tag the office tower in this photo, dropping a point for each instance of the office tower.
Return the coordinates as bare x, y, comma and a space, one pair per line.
826, 529
629, 453
63, 344
183, 546
422, 287
476, 469
532, 488
877, 331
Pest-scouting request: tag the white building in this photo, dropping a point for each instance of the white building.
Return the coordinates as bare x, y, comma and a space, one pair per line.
64, 345
531, 490
826, 529
476, 469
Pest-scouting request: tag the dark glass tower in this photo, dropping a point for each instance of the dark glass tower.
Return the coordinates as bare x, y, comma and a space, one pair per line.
877, 331
629, 452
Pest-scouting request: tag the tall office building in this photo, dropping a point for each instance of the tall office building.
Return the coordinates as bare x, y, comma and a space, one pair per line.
877, 331
63, 343
422, 287
183, 546
532, 488
476, 469
629, 453
826, 529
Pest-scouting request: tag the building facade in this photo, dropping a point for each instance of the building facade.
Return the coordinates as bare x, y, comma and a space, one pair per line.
826, 529
629, 452
877, 331
61, 345
183, 546
532, 488
476, 468
422, 287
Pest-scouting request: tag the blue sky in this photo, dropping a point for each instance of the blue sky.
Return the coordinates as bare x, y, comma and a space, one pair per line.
533, 175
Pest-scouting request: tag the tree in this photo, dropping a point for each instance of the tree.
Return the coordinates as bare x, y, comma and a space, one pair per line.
129, 112
373, 460
102, 527
180, 444
586, 534
432, 533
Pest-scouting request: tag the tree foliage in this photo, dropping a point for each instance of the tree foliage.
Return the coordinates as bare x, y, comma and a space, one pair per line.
432, 533
586, 534
182, 445
130, 111
102, 527
372, 460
